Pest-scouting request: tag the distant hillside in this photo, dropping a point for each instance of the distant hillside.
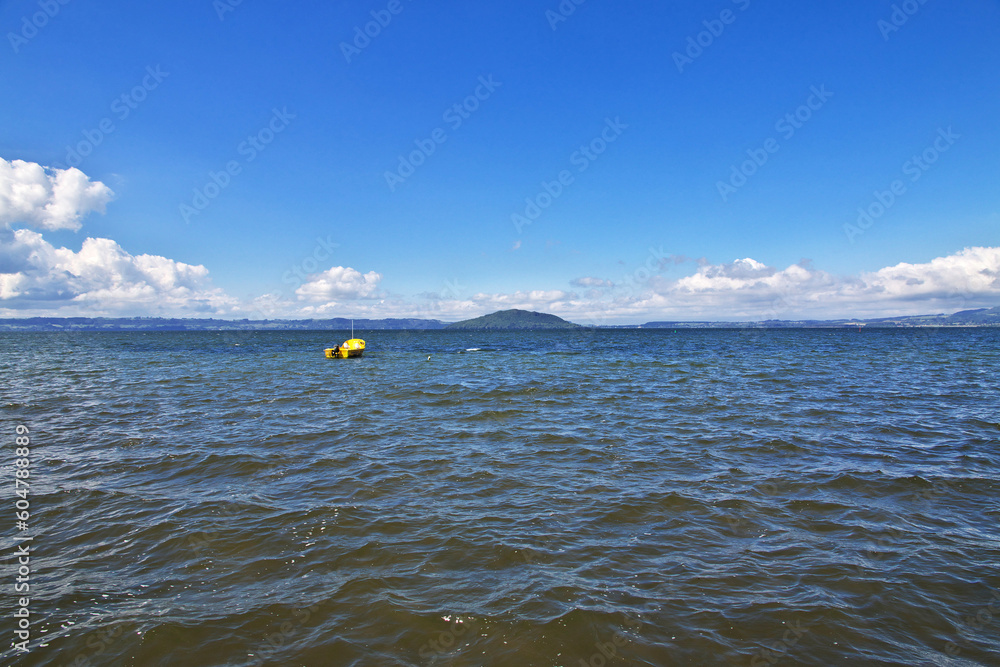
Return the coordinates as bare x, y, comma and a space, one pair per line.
515, 320
503, 320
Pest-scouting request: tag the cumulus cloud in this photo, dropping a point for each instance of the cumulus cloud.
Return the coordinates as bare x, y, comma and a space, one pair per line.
340, 283
973, 271
747, 286
744, 289
48, 198
590, 282
524, 299
748, 289
101, 279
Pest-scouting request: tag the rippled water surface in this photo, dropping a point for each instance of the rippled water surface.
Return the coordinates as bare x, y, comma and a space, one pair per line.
630, 497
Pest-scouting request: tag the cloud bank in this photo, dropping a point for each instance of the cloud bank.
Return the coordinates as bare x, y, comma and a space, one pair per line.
749, 290
48, 199
102, 278
340, 283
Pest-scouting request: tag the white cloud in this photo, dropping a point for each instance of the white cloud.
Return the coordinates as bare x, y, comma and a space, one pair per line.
37, 278
523, 300
341, 283
590, 282
748, 289
101, 279
745, 289
48, 198
973, 272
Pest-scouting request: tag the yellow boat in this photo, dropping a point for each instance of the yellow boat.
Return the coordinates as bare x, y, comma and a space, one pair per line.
353, 347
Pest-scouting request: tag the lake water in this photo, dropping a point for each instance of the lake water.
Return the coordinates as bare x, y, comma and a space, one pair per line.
612, 497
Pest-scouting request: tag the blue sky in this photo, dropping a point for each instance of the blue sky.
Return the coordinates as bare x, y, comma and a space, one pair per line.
229, 148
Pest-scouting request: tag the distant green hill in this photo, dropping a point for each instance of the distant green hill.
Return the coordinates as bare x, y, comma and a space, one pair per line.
515, 320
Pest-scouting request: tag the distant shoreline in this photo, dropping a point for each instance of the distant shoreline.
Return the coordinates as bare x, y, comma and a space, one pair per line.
981, 318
